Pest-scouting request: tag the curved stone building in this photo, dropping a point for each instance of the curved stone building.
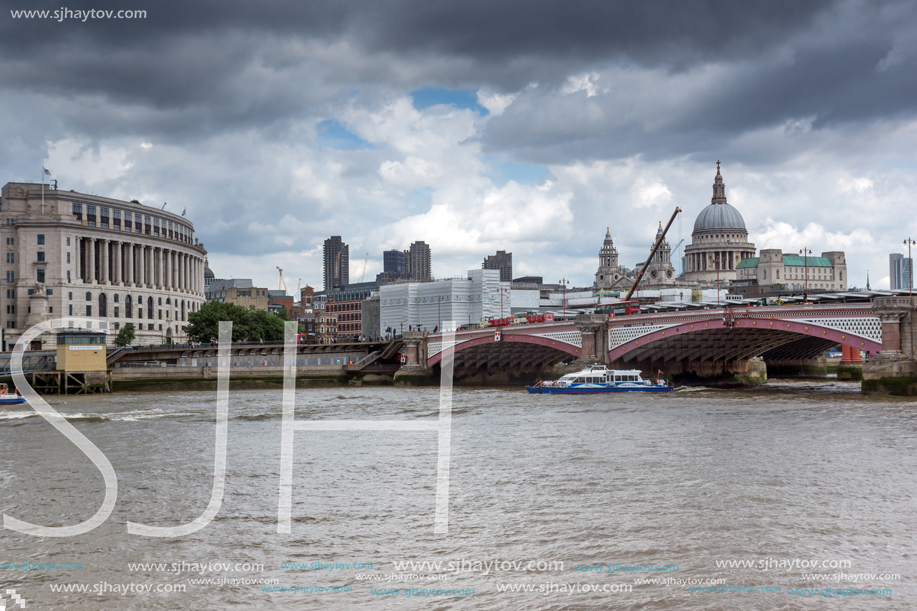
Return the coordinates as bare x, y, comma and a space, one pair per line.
73, 254
719, 239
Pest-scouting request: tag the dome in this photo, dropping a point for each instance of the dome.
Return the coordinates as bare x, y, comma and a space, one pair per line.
719, 216
208, 273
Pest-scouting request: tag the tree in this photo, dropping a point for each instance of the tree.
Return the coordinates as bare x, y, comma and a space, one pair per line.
248, 324
125, 336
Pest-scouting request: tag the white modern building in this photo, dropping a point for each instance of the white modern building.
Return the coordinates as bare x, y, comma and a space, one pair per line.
426, 305
70, 254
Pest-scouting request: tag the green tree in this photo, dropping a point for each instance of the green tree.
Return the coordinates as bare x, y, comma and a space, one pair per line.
248, 324
266, 326
125, 336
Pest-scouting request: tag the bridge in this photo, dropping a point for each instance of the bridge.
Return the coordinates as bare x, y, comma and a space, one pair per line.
702, 343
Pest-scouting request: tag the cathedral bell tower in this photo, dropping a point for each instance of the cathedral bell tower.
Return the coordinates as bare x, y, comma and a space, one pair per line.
610, 274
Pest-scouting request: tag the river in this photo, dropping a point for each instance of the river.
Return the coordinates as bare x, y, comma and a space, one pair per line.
795, 495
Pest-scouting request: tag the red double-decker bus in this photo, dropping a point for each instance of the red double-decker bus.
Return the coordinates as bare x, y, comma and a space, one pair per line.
624, 308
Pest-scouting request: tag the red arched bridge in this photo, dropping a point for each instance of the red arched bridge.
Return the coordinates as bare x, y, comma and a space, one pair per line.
715, 335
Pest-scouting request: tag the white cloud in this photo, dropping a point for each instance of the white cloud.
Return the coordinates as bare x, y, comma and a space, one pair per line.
581, 82
74, 159
495, 103
813, 236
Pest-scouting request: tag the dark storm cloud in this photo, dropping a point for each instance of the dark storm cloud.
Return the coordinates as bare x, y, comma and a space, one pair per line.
251, 63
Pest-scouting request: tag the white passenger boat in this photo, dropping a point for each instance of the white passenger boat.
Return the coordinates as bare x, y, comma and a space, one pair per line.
10, 398
599, 379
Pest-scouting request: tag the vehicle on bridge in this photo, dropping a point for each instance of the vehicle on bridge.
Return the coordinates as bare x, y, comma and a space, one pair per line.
598, 379
624, 308
497, 322
534, 317
10, 398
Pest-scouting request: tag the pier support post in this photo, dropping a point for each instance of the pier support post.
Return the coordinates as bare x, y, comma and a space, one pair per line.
894, 370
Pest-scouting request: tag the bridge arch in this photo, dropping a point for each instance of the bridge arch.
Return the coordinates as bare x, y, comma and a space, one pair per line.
517, 348
737, 338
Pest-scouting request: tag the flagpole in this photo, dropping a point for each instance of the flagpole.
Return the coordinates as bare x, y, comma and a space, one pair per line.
42, 189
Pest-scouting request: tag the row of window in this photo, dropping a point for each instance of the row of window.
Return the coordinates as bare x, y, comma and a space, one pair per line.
144, 224
342, 307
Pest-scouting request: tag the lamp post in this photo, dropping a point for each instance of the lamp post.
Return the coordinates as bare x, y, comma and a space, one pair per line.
910, 268
805, 252
564, 282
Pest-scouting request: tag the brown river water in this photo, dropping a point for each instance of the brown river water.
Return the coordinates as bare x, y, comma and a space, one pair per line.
796, 495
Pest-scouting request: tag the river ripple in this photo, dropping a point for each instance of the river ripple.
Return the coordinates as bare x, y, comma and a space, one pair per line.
794, 470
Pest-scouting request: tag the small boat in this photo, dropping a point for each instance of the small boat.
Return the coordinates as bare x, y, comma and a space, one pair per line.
599, 379
10, 398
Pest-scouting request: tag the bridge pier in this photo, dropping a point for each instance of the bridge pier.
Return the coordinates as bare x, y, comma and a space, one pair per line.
414, 370
894, 370
594, 329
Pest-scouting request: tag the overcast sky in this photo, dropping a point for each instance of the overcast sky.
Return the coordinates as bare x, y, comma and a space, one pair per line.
524, 126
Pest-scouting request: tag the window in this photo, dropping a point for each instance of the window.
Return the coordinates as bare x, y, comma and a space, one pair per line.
68, 257
70, 295
116, 214
149, 308
10, 257
138, 223
160, 301
116, 312
104, 212
11, 276
41, 239
149, 327
88, 296
77, 208
116, 298
90, 223
127, 306
40, 275
89, 310
90, 210
160, 314
41, 256
50, 292
68, 275
70, 308
140, 313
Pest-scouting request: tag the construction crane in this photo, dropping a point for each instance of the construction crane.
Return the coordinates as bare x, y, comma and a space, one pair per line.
675, 250
659, 240
365, 260
282, 284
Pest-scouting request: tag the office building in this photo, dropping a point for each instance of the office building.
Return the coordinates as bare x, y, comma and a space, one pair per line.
502, 261
417, 262
774, 271
336, 263
426, 305
71, 254
900, 274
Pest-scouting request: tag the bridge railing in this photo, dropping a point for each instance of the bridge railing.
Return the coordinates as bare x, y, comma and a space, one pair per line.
762, 312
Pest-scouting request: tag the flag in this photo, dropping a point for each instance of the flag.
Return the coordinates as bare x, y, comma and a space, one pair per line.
661, 372
184, 211
45, 171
